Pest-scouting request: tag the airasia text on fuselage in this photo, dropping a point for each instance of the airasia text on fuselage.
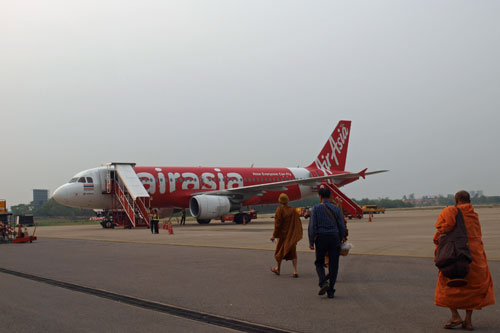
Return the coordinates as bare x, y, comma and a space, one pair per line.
163, 180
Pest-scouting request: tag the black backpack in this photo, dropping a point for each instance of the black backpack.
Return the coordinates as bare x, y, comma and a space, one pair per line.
453, 256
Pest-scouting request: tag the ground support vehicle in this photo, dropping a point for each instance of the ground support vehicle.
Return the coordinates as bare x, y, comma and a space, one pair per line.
240, 218
304, 212
372, 209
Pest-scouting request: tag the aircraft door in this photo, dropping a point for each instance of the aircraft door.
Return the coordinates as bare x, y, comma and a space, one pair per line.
110, 178
106, 176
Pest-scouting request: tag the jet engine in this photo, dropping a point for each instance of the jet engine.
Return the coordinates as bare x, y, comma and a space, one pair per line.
209, 206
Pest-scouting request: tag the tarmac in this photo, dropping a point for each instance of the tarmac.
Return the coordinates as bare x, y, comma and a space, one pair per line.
216, 278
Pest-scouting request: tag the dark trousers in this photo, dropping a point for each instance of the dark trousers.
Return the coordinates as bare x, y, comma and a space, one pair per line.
327, 243
154, 226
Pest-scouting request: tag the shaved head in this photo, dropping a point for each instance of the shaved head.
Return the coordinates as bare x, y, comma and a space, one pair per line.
462, 197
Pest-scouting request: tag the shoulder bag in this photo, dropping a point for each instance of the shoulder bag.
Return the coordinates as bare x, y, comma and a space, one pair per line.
343, 250
453, 255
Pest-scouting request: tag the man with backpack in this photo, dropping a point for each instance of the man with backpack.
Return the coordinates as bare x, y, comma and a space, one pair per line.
326, 230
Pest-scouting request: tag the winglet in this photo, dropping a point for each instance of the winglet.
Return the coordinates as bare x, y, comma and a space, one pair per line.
362, 173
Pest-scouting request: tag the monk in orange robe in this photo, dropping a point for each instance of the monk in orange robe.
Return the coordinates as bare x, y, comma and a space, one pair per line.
288, 230
478, 292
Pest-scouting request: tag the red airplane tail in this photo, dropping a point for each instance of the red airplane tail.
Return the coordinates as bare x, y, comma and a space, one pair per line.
334, 153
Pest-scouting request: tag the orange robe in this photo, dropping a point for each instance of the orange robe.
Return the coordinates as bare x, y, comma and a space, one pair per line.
288, 230
478, 293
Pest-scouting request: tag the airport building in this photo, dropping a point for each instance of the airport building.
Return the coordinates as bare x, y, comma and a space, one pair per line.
40, 197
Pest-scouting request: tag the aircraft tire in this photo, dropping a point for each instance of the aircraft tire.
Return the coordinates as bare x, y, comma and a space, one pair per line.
203, 221
240, 217
246, 218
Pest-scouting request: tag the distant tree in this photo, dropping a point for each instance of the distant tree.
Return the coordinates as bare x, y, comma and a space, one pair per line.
52, 208
485, 200
385, 203
445, 201
22, 209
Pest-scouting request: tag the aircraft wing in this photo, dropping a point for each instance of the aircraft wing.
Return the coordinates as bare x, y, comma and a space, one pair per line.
246, 192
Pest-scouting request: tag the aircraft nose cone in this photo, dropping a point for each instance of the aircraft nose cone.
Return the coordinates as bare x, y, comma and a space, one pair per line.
61, 194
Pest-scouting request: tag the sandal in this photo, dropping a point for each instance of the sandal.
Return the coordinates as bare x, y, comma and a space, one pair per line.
467, 327
275, 271
452, 324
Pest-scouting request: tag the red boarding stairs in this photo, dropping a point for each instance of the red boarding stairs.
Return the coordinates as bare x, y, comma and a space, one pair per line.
131, 201
351, 209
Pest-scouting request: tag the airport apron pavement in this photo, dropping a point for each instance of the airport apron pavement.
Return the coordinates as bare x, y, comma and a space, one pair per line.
374, 293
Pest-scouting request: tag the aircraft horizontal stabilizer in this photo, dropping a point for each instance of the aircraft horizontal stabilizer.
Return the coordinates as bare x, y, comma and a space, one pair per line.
375, 172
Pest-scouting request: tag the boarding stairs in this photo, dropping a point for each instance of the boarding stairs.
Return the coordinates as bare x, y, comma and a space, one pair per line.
349, 206
129, 195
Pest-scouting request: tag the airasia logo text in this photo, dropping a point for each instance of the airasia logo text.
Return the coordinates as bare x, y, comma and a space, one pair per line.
336, 148
189, 181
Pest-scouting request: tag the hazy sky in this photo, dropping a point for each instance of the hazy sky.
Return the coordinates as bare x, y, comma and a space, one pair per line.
235, 83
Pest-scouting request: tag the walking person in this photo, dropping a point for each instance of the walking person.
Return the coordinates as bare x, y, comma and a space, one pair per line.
326, 230
337, 202
478, 292
288, 230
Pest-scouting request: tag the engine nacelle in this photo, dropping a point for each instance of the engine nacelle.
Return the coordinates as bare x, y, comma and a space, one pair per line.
209, 206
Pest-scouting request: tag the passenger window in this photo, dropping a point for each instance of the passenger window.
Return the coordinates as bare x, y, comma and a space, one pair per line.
90, 180
81, 180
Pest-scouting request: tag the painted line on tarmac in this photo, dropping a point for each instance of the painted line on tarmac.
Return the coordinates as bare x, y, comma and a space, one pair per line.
170, 244
234, 324
246, 248
228, 246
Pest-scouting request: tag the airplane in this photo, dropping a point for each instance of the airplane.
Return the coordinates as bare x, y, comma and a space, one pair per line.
210, 192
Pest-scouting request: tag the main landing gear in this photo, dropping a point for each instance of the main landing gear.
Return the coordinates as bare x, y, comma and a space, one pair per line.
242, 218
203, 221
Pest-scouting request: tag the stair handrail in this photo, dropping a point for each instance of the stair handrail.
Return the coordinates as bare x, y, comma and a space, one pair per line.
127, 206
143, 210
345, 199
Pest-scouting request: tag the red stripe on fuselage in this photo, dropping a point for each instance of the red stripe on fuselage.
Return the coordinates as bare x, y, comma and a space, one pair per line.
173, 186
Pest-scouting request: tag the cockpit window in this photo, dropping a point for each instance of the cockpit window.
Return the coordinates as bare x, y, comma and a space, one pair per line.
90, 180
81, 180
73, 180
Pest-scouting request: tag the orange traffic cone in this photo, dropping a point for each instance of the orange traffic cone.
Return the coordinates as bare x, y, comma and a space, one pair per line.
370, 218
170, 228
